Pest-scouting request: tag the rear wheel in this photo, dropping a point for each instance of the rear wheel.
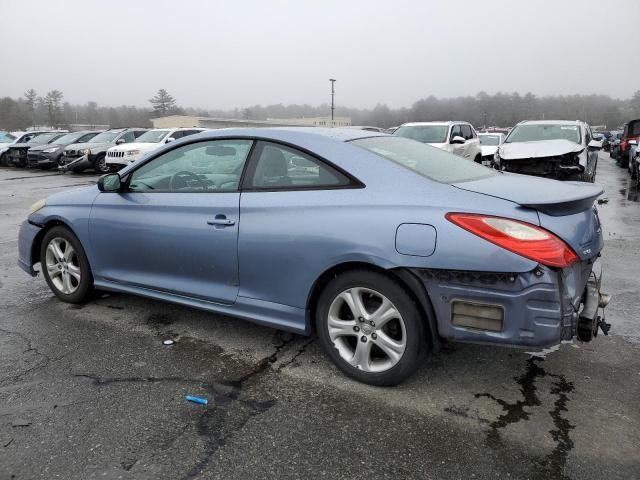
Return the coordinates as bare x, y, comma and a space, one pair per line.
65, 266
370, 327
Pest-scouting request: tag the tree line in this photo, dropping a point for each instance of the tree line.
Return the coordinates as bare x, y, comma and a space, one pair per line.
483, 109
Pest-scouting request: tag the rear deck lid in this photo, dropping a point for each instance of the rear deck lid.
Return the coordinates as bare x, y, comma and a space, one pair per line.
552, 197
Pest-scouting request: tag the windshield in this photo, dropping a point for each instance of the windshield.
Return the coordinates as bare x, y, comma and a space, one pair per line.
44, 138
152, 136
424, 133
105, 137
6, 137
424, 159
540, 132
489, 140
69, 138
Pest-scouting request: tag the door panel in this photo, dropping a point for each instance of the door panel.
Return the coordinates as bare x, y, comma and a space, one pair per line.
169, 242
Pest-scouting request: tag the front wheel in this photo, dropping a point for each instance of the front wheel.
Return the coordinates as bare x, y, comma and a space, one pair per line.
370, 327
101, 166
65, 266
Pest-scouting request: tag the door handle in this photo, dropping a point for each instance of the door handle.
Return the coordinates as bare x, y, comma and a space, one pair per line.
221, 221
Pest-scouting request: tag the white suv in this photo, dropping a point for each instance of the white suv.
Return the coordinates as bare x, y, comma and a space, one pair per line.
455, 137
122, 155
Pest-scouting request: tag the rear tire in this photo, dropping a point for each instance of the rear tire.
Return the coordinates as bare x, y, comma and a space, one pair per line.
65, 266
379, 354
4, 161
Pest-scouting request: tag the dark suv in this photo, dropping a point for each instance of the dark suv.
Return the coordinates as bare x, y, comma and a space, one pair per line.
81, 156
50, 155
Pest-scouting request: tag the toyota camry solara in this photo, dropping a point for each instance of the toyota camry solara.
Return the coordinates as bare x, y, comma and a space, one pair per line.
382, 245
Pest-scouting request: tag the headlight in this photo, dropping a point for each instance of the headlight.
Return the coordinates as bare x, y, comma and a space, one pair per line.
37, 206
133, 152
86, 151
50, 150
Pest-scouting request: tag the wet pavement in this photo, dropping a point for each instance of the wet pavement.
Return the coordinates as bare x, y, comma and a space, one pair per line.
91, 391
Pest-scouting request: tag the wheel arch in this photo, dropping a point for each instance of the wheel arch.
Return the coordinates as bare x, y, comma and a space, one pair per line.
402, 276
37, 241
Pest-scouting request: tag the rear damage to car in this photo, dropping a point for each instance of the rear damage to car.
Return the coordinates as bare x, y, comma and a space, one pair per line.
544, 306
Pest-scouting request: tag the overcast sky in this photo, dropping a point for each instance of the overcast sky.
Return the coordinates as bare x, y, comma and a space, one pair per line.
236, 53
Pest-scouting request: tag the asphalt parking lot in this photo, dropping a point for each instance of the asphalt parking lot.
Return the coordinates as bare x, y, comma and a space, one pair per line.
90, 391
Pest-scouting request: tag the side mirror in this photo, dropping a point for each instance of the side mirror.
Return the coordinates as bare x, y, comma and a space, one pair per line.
109, 183
595, 145
170, 139
119, 141
457, 140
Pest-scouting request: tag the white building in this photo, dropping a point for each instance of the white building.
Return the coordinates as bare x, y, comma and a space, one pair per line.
176, 121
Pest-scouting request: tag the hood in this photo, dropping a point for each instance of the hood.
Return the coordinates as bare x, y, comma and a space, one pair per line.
486, 150
552, 197
542, 148
22, 145
39, 148
127, 147
85, 145
441, 146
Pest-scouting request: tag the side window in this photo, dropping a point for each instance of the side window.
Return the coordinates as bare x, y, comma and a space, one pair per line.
128, 137
280, 167
176, 135
455, 132
137, 133
213, 166
588, 135
466, 132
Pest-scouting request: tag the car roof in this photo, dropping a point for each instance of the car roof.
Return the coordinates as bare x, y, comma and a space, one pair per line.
551, 122
417, 124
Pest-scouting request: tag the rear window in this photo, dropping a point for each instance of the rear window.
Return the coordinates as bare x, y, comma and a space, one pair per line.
424, 133
424, 159
546, 131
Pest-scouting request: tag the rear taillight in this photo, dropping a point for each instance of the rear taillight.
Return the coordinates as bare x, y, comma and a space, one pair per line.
518, 237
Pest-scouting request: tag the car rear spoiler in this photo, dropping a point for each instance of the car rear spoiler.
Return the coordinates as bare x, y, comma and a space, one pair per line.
564, 208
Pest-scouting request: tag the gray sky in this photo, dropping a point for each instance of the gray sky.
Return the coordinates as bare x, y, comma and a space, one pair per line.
225, 54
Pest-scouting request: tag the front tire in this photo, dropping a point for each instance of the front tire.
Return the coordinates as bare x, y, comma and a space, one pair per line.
100, 165
370, 327
65, 266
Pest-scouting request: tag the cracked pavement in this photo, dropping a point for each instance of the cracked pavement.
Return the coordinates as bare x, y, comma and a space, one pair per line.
90, 391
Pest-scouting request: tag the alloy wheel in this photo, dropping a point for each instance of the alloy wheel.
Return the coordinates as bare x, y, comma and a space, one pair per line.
63, 265
366, 329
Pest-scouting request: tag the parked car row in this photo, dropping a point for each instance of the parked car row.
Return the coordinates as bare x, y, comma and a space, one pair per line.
100, 150
624, 148
559, 149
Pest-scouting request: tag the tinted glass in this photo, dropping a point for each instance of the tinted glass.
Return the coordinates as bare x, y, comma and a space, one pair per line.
105, 137
424, 133
44, 138
456, 131
128, 137
424, 159
539, 132
214, 166
466, 132
152, 136
282, 167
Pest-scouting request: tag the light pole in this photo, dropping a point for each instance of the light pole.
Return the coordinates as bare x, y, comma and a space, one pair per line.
333, 94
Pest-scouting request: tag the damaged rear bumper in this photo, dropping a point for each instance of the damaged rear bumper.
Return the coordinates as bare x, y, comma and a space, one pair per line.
539, 308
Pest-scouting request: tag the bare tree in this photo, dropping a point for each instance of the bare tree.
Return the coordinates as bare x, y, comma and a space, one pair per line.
52, 103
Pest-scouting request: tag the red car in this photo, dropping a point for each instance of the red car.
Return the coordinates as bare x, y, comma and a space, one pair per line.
631, 132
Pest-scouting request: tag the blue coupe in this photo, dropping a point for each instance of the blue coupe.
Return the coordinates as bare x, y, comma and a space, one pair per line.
382, 245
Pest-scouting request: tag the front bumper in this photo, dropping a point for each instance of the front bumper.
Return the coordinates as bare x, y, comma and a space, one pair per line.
26, 239
540, 308
39, 159
79, 163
